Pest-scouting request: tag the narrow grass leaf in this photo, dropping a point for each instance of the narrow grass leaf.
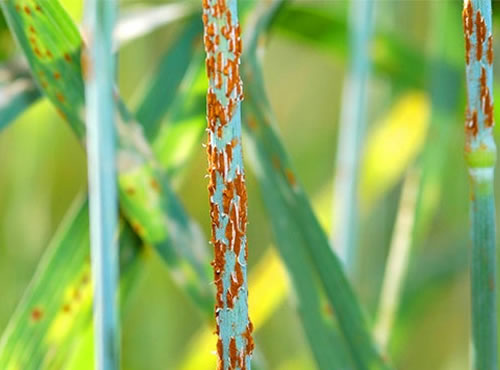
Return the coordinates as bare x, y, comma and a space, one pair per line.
145, 195
58, 302
17, 92
169, 74
291, 214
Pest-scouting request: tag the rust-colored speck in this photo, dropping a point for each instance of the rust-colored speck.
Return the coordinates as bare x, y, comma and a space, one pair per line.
468, 24
49, 54
62, 114
486, 100
32, 29
36, 314
44, 84
491, 284
27, 10
130, 191
276, 162
85, 279
67, 57
137, 227
66, 308
38, 8
233, 353
38, 52
155, 185
18, 8
489, 52
57, 75
60, 97
471, 126
291, 177
480, 34
86, 66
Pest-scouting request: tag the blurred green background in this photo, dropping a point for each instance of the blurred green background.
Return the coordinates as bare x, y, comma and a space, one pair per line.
415, 120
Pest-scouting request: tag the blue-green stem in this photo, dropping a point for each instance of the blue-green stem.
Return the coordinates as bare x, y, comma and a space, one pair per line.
227, 189
100, 112
351, 129
480, 155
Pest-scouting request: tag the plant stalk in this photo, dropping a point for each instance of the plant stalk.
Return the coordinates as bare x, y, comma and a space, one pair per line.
480, 155
351, 132
227, 189
103, 203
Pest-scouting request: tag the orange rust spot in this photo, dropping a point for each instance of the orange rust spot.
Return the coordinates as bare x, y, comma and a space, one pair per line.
137, 227
85, 279
57, 75
85, 63
60, 97
38, 52
471, 126
36, 314
64, 117
276, 162
155, 185
66, 308
233, 353
38, 8
49, 54
219, 345
32, 29
18, 8
130, 191
468, 24
27, 10
480, 34
252, 122
489, 52
67, 57
44, 84
290, 177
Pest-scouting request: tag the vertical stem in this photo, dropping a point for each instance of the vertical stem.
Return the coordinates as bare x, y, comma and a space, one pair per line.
99, 70
351, 128
227, 189
480, 154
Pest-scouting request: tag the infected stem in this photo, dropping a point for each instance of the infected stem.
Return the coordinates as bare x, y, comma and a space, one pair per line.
480, 154
227, 189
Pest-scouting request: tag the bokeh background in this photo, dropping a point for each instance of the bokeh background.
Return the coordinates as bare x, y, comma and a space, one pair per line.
414, 127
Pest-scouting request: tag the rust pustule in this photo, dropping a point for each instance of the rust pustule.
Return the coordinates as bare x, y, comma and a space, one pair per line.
67, 58
155, 185
480, 34
471, 126
467, 15
290, 177
489, 52
86, 65
226, 187
36, 314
